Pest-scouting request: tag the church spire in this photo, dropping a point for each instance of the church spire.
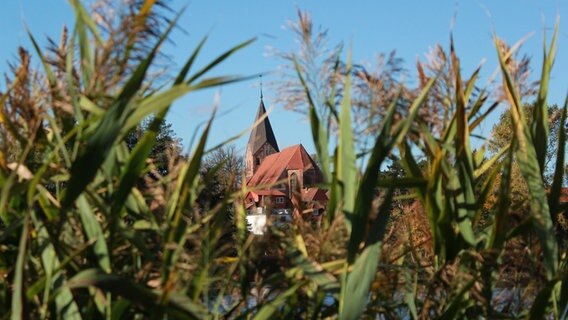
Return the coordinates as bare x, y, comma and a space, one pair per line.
262, 133
262, 141
260, 87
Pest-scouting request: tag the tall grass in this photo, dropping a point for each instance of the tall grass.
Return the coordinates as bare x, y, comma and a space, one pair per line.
88, 230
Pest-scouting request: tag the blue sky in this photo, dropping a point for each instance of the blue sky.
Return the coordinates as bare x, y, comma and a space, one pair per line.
410, 27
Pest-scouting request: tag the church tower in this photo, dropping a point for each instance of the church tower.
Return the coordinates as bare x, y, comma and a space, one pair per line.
262, 142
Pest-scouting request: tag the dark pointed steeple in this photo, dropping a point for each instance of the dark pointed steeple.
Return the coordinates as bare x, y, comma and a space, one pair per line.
262, 133
262, 141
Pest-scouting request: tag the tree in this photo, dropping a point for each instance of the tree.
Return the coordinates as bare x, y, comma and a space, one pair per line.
222, 170
166, 150
502, 135
221, 173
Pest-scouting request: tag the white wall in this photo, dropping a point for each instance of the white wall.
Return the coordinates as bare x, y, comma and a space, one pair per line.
257, 223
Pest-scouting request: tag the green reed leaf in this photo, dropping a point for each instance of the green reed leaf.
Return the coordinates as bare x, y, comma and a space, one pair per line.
18, 302
539, 126
356, 290
269, 310
94, 232
176, 304
346, 167
219, 59
555, 190
529, 165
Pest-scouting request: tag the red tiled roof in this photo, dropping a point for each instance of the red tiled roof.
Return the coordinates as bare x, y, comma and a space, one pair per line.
314, 194
274, 166
563, 195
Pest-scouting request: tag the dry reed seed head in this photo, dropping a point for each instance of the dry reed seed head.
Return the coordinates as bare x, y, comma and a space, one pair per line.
57, 54
128, 36
316, 63
374, 88
63, 40
304, 25
519, 70
23, 105
22, 71
436, 59
439, 101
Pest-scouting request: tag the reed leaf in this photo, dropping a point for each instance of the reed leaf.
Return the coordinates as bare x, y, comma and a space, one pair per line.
86, 60
319, 132
356, 289
219, 59
94, 233
529, 165
498, 233
46, 67
563, 297
456, 308
464, 183
346, 168
100, 144
18, 302
81, 14
186, 193
176, 305
555, 190
541, 302
269, 310
539, 125
366, 192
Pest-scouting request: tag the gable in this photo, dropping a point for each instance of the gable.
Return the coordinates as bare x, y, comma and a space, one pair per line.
275, 166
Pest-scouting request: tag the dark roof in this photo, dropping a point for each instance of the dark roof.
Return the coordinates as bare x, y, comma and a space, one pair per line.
314, 194
262, 133
275, 165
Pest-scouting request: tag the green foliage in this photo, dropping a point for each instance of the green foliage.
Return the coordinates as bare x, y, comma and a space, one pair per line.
221, 171
93, 216
166, 149
97, 223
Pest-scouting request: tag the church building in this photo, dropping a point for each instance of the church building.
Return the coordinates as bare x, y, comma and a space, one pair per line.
280, 181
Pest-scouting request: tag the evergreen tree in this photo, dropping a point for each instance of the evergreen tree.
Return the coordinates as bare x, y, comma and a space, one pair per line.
166, 150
